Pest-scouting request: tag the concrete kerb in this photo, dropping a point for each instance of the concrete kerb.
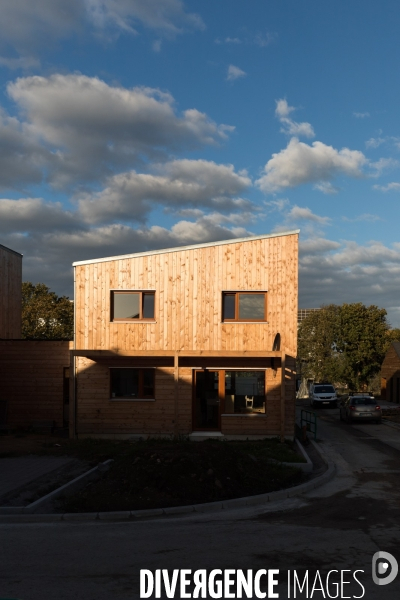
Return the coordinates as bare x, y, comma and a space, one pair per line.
272, 497
68, 488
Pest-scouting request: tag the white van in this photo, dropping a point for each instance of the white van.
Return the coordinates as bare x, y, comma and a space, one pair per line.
322, 394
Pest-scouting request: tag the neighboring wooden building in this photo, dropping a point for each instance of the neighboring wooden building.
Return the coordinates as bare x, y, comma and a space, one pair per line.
33, 374
192, 340
34, 379
10, 293
390, 374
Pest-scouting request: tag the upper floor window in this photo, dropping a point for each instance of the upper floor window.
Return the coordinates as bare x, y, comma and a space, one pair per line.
135, 306
244, 306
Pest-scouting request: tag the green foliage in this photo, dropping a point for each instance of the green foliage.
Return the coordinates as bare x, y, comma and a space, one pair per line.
46, 316
344, 344
393, 335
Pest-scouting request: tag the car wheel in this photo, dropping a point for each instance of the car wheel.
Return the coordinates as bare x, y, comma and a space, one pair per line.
348, 419
378, 421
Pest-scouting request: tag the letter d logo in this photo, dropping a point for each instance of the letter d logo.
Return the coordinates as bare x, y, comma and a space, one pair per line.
384, 568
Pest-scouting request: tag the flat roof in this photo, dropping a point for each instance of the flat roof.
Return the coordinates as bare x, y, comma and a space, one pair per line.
181, 248
9, 250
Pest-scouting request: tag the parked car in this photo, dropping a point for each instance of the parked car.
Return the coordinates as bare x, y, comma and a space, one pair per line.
322, 394
360, 407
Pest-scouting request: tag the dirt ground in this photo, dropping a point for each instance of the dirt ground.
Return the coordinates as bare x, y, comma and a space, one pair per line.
159, 473
22, 444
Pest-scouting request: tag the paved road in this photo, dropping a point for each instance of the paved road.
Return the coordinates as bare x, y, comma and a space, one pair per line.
339, 526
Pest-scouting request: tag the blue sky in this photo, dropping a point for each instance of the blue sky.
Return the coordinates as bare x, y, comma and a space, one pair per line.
130, 125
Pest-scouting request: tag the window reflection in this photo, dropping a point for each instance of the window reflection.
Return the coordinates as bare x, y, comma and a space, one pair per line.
245, 392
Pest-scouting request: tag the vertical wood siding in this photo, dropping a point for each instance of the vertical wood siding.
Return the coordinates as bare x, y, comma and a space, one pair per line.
188, 317
31, 380
189, 285
10, 294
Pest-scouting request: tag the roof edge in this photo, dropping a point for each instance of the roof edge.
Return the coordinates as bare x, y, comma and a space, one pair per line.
181, 248
9, 250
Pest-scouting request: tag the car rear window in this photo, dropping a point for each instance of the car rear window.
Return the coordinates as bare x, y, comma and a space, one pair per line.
324, 389
363, 401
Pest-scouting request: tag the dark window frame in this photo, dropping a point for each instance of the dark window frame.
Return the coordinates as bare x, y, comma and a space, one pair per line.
140, 319
237, 295
141, 395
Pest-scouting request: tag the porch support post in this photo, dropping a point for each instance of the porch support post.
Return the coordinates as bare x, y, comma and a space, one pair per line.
72, 396
176, 392
283, 395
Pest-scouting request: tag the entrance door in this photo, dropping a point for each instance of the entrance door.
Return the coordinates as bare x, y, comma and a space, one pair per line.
206, 401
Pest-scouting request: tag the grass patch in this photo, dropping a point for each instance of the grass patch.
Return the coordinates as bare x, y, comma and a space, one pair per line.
162, 473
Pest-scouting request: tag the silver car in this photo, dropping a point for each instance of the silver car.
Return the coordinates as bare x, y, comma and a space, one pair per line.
360, 407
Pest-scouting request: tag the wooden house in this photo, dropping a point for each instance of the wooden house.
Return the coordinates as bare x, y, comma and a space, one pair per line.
10, 293
34, 375
390, 374
198, 340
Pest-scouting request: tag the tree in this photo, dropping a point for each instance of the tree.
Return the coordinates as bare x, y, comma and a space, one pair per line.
343, 344
317, 352
46, 316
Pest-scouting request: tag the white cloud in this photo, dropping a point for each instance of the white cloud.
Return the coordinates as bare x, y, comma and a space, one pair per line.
388, 139
394, 186
283, 109
299, 213
279, 205
34, 215
364, 217
317, 245
93, 128
228, 40
265, 39
300, 163
131, 195
382, 165
332, 272
48, 256
235, 73
22, 62
375, 142
166, 16
291, 127
22, 157
361, 115
29, 26
326, 187
258, 39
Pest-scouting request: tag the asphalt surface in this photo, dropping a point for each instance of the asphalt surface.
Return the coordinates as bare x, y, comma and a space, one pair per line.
338, 527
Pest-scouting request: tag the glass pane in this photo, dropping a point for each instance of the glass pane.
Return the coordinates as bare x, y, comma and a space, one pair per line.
252, 306
245, 392
148, 306
124, 383
126, 306
229, 306
148, 383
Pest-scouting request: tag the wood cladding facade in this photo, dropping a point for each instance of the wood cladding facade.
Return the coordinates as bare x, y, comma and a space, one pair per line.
32, 380
189, 332
390, 375
10, 293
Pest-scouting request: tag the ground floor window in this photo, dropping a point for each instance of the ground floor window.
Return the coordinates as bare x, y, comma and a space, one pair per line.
226, 392
132, 384
244, 392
